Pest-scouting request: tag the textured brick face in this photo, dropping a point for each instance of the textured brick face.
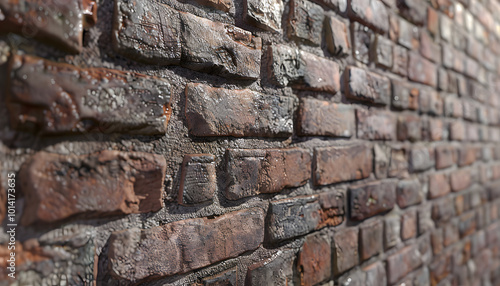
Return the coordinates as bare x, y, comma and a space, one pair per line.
371, 199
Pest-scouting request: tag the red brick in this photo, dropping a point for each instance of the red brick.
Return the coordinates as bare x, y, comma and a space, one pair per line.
408, 224
376, 124
356, 160
57, 187
256, 171
345, 250
429, 49
421, 70
409, 192
460, 179
61, 98
323, 118
367, 86
438, 185
370, 239
314, 260
332, 209
173, 37
190, 243
214, 111
436, 130
402, 262
467, 155
337, 37
52, 22
370, 199
198, 179
446, 156
409, 128
371, 13
432, 21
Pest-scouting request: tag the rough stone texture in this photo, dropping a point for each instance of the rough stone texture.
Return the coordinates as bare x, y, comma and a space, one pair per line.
256, 171
314, 260
275, 271
191, 244
366, 86
345, 250
265, 14
169, 37
371, 199
53, 22
305, 21
371, 13
198, 179
336, 36
56, 98
222, 112
323, 118
57, 187
355, 159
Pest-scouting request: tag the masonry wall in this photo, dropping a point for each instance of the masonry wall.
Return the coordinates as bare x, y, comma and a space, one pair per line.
233, 142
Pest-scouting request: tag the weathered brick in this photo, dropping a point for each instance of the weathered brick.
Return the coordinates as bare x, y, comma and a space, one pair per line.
60, 98
371, 199
381, 161
453, 106
356, 160
460, 179
409, 128
422, 277
52, 22
402, 262
430, 102
438, 185
421, 158
432, 21
443, 79
57, 187
450, 233
422, 70
467, 224
198, 179
376, 124
355, 278
362, 38
257, 171
212, 111
314, 260
383, 54
407, 34
409, 192
437, 241
367, 86
436, 130
413, 10
392, 230
303, 70
370, 239
446, 156
375, 274
424, 218
323, 118
445, 28
467, 155
404, 95
194, 243
398, 166
443, 210
457, 130
440, 268
371, 13
345, 250
305, 21
400, 62
265, 14
171, 37
409, 224
336, 36
223, 5
276, 271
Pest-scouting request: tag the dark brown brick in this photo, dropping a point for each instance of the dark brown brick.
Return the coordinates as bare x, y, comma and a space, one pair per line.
371, 13
337, 37
345, 250
367, 86
59, 98
57, 187
446, 156
314, 260
52, 22
460, 179
438, 185
409, 192
305, 21
332, 210
371, 199
402, 262
198, 179
421, 70
356, 160
257, 171
214, 111
216, 239
409, 224
171, 37
370, 239
376, 124
323, 118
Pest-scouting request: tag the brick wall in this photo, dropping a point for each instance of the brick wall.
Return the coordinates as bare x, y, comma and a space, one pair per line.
247, 142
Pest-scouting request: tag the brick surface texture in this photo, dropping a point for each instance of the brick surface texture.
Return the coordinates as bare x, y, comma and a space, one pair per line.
250, 143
